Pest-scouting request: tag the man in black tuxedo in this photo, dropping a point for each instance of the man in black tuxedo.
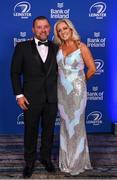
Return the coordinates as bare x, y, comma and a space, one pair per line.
37, 95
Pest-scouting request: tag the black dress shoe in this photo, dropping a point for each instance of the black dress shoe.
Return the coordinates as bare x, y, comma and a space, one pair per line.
28, 170
48, 165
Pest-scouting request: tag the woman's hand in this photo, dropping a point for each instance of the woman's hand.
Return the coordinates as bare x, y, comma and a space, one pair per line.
88, 60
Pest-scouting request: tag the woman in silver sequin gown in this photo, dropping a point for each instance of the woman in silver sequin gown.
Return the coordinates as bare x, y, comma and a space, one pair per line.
72, 96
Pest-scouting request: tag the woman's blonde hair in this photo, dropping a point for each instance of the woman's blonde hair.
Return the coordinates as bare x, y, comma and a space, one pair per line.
75, 35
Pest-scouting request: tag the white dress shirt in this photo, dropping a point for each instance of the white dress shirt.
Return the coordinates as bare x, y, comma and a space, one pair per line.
43, 52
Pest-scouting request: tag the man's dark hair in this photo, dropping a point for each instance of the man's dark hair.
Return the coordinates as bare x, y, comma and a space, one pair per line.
40, 18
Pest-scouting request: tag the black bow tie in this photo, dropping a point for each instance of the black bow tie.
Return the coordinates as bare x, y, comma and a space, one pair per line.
42, 43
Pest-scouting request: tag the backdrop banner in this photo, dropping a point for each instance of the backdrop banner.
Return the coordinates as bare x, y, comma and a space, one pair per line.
91, 20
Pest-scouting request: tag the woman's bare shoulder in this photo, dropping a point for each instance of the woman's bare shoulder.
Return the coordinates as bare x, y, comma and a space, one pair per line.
83, 45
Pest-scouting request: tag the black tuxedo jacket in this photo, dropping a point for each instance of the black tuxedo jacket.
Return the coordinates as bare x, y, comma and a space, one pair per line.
31, 77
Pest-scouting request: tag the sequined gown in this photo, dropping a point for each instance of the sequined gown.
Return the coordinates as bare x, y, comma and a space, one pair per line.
72, 97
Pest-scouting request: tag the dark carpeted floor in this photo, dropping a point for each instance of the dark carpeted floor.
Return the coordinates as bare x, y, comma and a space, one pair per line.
103, 153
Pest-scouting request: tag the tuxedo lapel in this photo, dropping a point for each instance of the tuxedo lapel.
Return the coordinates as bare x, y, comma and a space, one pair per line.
50, 56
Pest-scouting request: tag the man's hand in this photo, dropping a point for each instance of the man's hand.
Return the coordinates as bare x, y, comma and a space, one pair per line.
23, 103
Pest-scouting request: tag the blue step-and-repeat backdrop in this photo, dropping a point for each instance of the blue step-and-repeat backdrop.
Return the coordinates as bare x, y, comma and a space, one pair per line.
94, 20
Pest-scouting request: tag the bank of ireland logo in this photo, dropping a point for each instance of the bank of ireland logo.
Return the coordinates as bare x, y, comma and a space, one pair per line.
21, 38
20, 119
94, 118
95, 88
97, 10
23, 34
95, 95
99, 66
22, 9
60, 5
59, 12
